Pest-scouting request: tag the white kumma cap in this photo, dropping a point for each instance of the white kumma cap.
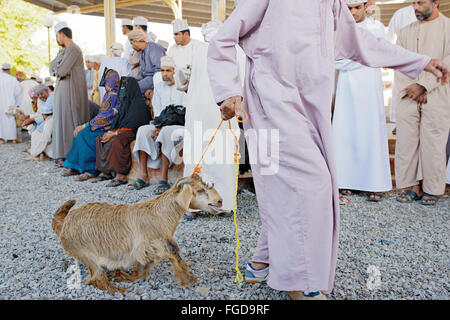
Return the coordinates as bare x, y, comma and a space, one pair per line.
179, 25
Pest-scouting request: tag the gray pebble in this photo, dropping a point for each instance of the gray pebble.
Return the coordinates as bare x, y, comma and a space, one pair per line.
413, 261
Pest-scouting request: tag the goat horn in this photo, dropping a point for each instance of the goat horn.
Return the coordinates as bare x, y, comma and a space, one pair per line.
184, 181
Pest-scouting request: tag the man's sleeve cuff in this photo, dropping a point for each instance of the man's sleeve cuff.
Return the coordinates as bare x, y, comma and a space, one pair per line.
427, 85
221, 98
426, 61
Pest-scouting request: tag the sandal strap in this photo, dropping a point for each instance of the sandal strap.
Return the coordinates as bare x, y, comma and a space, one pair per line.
84, 176
139, 184
412, 195
376, 195
117, 182
429, 198
162, 187
140, 181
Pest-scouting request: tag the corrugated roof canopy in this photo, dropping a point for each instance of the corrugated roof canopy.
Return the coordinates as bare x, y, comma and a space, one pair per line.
196, 12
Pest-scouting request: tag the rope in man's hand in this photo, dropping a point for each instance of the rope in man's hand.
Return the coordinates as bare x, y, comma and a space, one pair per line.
237, 157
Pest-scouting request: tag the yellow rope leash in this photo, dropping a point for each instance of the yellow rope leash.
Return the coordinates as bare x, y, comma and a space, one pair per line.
237, 157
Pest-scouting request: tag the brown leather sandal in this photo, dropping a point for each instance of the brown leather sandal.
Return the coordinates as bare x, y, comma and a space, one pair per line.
85, 176
70, 172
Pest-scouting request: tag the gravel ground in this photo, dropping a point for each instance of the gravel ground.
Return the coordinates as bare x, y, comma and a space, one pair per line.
387, 250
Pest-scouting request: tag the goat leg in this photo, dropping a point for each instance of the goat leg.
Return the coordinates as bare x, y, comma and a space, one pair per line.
100, 281
121, 276
104, 284
113, 289
142, 271
184, 275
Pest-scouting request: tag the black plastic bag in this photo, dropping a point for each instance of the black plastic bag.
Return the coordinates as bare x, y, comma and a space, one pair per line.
172, 115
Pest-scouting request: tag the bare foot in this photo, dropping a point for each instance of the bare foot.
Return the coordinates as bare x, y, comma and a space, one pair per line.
101, 177
2, 141
418, 189
121, 177
14, 141
45, 158
32, 159
70, 172
83, 177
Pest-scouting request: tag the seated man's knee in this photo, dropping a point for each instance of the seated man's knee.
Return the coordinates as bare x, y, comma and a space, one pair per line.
146, 130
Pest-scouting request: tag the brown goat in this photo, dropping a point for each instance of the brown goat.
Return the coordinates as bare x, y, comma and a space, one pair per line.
119, 237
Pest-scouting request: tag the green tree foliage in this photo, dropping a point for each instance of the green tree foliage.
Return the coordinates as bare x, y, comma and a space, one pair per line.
19, 21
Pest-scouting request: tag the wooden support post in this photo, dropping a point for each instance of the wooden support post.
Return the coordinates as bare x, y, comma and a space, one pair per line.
176, 6
49, 54
218, 10
110, 26
180, 8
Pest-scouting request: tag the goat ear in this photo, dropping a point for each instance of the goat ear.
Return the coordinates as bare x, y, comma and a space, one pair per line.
185, 196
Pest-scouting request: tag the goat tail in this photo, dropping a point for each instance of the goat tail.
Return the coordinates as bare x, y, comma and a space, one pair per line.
60, 215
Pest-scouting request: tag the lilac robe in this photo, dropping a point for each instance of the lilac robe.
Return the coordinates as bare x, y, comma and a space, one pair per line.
150, 64
291, 47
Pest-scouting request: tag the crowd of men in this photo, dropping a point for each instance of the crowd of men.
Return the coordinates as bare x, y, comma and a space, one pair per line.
421, 112
83, 125
88, 121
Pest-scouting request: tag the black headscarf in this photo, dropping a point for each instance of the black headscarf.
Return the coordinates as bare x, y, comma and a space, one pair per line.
133, 112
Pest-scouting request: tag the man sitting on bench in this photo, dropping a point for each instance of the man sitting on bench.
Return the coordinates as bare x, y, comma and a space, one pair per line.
160, 147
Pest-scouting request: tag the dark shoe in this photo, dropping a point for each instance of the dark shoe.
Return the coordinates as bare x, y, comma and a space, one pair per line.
226, 214
59, 163
375, 197
85, 176
408, 197
115, 183
138, 185
101, 178
162, 187
429, 199
346, 192
70, 172
344, 200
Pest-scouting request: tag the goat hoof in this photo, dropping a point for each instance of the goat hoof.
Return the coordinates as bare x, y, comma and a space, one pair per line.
121, 276
123, 291
188, 280
193, 279
113, 289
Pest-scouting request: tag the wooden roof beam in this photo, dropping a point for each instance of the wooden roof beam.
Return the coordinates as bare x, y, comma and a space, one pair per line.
119, 4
